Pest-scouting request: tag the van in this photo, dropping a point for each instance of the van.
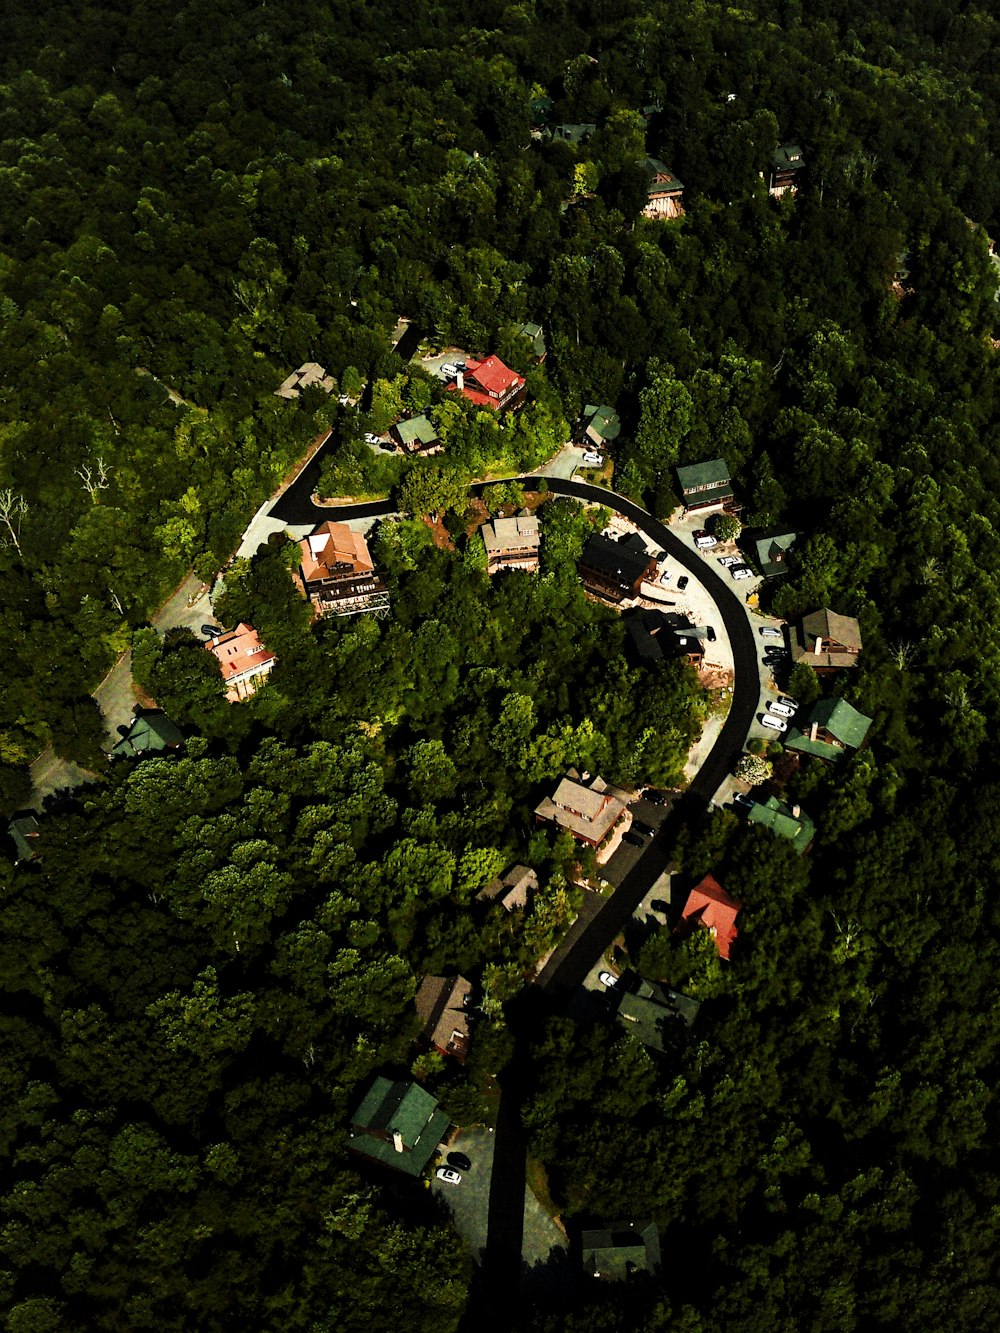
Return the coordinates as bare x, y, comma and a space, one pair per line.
774, 723
449, 370
704, 541
781, 709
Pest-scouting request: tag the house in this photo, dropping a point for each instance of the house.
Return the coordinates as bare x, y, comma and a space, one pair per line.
151, 732
833, 727
512, 889
787, 162
621, 1249
399, 1125
598, 426
614, 570
444, 1021
706, 486
243, 660
786, 821
309, 374
573, 133
415, 435
587, 809
711, 907
489, 383
661, 636
338, 574
651, 1012
535, 336
512, 543
826, 641
772, 553
24, 831
663, 193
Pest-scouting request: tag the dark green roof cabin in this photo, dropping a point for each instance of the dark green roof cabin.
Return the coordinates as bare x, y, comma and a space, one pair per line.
833, 727
705, 484
23, 831
772, 553
787, 821
151, 732
617, 1252
399, 1125
600, 424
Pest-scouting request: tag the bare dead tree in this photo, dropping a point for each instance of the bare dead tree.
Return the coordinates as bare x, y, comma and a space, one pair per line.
95, 479
13, 508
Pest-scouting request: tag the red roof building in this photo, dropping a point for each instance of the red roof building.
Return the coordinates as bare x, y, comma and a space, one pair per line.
491, 384
243, 659
709, 905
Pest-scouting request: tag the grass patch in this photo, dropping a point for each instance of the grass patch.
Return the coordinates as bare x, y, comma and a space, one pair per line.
538, 1182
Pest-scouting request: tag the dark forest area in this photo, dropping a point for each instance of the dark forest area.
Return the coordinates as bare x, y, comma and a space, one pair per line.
214, 953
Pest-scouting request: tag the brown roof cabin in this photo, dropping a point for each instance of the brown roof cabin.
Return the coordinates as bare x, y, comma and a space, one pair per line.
338, 574
826, 641
614, 570
587, 810
441, 1007
664, 192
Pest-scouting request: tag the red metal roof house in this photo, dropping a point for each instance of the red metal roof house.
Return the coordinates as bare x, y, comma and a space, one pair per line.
491, 384
709, 905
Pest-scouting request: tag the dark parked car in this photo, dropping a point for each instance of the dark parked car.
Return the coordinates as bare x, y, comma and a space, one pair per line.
682, 582
633, 838
212, 631
646, 830
459, 1160
710, 633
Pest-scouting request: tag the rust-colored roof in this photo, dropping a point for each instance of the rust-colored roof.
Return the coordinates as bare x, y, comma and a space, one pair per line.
239, 651
492, 376
709, 905
334, 544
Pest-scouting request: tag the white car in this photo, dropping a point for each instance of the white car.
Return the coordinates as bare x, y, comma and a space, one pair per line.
740, 572
780, 709
449, 1176
371, 439
593, 460
727, 561
607, 979
769, 632
704, 541
774, 723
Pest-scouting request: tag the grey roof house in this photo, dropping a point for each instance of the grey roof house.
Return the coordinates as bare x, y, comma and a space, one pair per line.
511, 890
441, 1007
650, 1012
587, 809
512, 543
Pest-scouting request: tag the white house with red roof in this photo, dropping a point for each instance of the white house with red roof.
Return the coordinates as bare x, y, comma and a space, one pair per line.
491, 384
711, 907
243, 660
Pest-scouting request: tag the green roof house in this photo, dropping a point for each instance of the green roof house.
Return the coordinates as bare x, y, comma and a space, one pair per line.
415, 435
616, 1252
832, 727
399, 1125
664, 191
787, 162
599, 425
151, 732
23, 831
576, 133
534, 335
772, 553
705, 485
787, 821
651, 1012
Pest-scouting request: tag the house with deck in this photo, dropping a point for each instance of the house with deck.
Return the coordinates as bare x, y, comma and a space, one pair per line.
512, 543
416, 435
614, 570
441, 1004
243, 660
783, 176
490, 383
338, 574
706, 486
663, 193
588, 808
826, 641
599, 426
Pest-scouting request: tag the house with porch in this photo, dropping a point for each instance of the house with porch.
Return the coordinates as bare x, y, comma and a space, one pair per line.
786, 163
826, 641
444, 1019
613, 570
710, 907
785, 821
416, 435
663, 193
243, 660
490, 383
512, 543
832, 728
620, 1250
338, 575
399, 1125
706, 486
588, 808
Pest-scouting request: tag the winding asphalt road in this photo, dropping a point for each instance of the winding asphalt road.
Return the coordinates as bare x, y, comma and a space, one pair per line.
494, 1300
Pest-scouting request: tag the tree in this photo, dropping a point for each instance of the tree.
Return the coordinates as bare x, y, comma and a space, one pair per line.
434, 490
727, 527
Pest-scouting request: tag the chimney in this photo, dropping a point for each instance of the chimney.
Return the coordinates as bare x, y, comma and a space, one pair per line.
796, 811
397, 1141
818, 647
460, 380
814, 731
